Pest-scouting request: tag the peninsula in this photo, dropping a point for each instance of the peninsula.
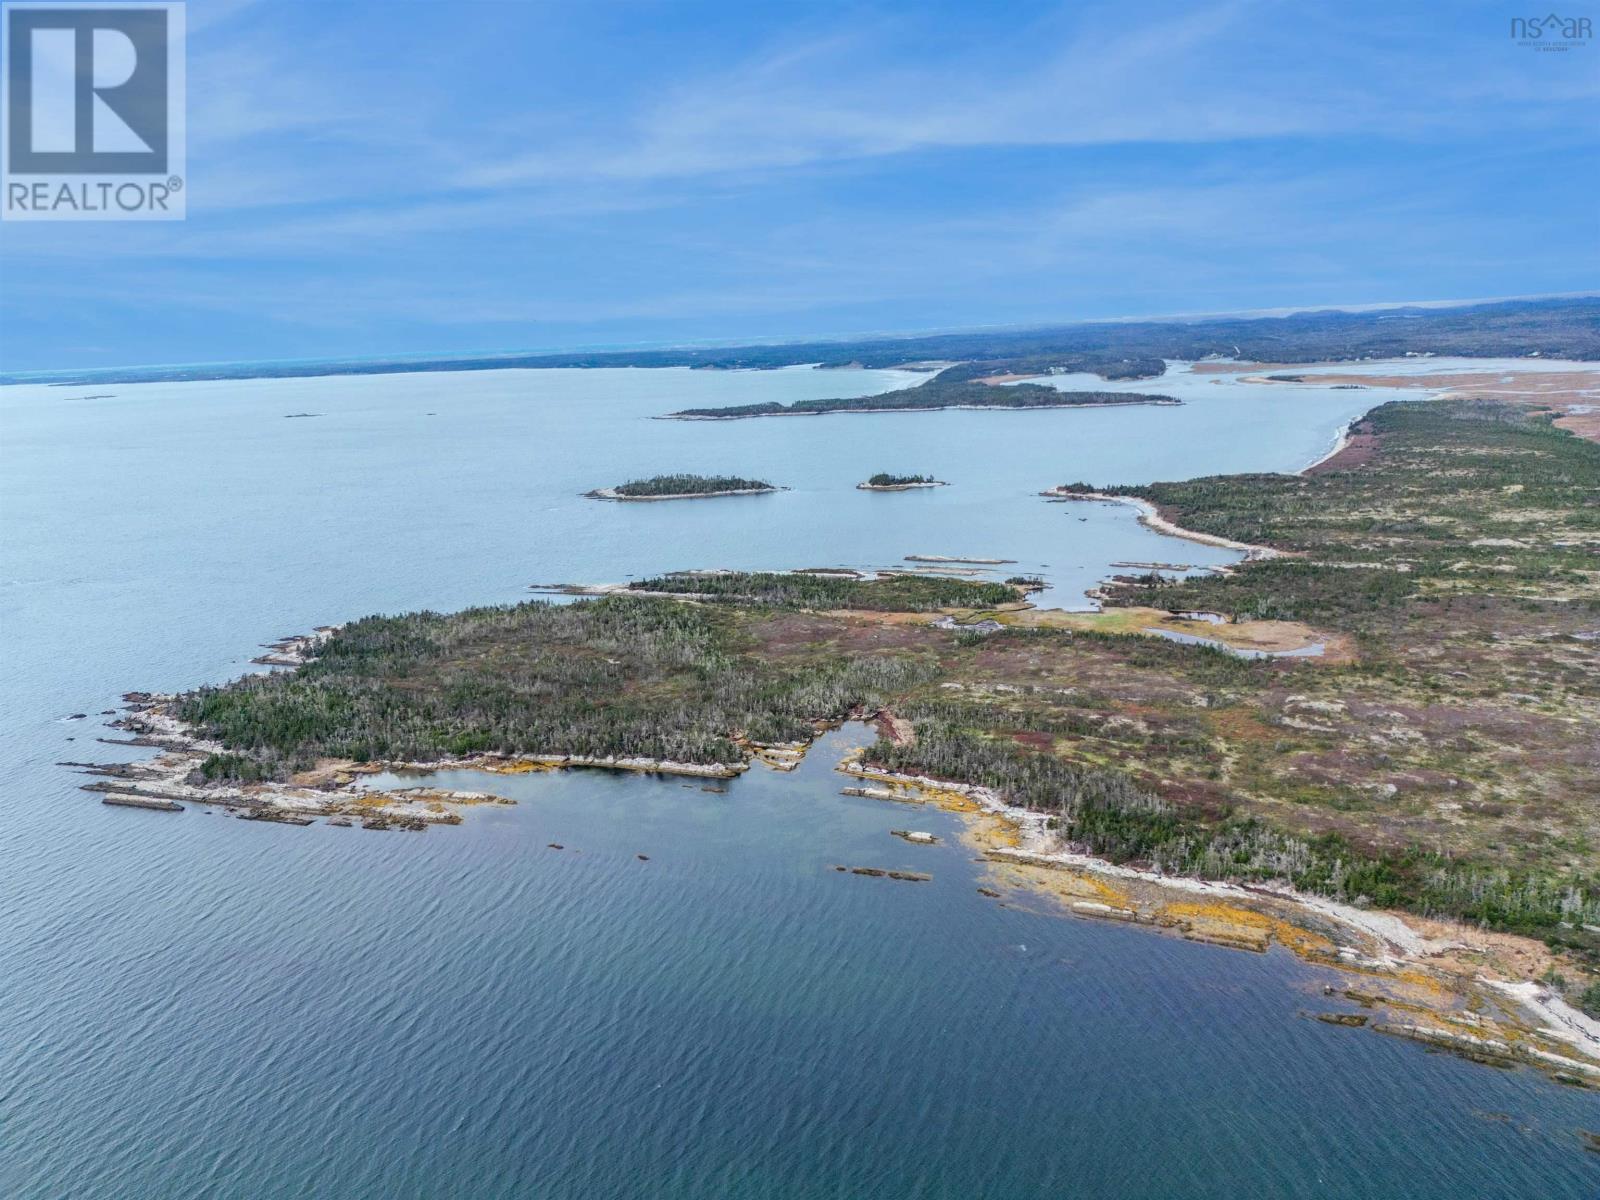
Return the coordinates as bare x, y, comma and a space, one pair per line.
683, 487
1433, 764
937, 393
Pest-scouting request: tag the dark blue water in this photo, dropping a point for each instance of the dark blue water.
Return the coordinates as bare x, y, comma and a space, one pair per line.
198, 1006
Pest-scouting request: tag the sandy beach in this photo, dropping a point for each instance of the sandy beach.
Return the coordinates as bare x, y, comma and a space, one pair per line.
1150, 516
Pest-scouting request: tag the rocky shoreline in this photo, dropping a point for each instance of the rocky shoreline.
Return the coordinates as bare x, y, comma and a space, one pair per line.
613, 494
296, 649
333, 790
1434, 985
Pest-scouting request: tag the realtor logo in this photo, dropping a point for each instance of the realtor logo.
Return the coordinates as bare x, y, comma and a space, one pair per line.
94, 122
1552, 32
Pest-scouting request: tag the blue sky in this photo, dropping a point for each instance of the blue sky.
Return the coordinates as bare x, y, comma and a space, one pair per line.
410, 177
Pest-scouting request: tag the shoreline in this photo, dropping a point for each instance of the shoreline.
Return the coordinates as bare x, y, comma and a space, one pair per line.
1370, 944
1348, 440
1340, 441
296, 649
1437, 984
613, 494
899, 487
332, 789
956, 558
1150, 516
828, 412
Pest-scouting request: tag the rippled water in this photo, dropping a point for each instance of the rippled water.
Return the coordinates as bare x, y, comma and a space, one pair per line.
196, 1006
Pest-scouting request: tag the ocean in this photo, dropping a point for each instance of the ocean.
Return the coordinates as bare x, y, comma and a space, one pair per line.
201, 1007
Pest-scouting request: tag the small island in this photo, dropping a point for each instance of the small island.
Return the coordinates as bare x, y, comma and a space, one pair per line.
683, 487
885, 482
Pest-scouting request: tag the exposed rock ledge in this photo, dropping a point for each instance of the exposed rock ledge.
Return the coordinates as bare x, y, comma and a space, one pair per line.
1426, 969
613, 494
335, 789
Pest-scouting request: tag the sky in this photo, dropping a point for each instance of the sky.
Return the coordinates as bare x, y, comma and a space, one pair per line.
422, 176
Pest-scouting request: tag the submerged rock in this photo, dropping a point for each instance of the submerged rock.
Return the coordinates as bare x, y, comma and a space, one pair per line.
155, 803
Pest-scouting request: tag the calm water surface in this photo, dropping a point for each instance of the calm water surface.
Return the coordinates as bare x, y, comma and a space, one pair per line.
196, 1006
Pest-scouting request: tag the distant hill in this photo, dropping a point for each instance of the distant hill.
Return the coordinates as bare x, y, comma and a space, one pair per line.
1557, 328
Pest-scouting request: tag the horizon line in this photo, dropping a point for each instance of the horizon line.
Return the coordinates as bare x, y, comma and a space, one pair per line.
12, 378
